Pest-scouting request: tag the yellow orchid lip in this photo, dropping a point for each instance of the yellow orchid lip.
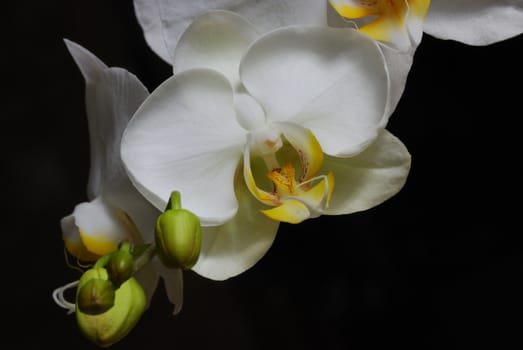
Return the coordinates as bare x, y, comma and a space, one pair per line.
304, 204
295, 200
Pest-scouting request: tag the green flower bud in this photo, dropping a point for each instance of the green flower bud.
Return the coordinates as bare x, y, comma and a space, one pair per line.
120, 265
178, 236
110, 326
96, 296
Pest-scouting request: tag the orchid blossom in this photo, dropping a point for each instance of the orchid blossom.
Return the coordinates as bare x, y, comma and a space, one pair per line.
257, 129
399, 24
116, 212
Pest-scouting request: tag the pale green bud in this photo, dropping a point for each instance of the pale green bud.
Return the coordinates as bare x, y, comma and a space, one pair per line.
95, 296
120, 265
110, 326
178, 236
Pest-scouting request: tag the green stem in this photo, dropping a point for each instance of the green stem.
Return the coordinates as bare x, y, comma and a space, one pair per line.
145, 257
102, 261
175, 201
125, 246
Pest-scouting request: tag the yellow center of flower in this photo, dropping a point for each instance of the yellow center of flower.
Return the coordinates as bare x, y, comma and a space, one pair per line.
283, 179
294, 200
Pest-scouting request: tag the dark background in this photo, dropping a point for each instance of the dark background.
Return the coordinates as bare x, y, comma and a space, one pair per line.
436, 267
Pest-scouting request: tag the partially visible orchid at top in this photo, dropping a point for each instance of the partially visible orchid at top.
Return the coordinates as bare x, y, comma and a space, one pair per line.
397, 24
115, 211
257, 129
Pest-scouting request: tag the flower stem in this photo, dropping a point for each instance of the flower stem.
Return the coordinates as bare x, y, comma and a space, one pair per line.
175, 201
144, 257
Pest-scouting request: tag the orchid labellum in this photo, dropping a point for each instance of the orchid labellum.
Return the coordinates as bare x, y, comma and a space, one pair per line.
255, 129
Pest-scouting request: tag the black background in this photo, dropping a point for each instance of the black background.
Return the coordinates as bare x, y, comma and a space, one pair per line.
436, 267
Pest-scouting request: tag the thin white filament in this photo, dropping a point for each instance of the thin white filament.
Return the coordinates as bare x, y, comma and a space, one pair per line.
59, 298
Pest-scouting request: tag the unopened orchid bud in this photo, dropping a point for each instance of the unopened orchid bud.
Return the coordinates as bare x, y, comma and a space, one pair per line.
109, 327
96, 296
120, 265
178, 235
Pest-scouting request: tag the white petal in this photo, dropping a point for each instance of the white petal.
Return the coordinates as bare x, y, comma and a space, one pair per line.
149, 17
332, 81
73, 242
148, 278
475, 22
271, 14
163, 21
398, 65
398, 62
249, 114
370, 178
173, 282
125, 196
415, 20
95, 229
233, 248
92, 67
185, 138
112, 97
97, 218
215, 40
70, 231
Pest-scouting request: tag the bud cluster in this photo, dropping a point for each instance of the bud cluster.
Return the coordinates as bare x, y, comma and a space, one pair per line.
109, 301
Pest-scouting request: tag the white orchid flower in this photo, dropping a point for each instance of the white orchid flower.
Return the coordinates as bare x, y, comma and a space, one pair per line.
253, 130
399, 23
116, 211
